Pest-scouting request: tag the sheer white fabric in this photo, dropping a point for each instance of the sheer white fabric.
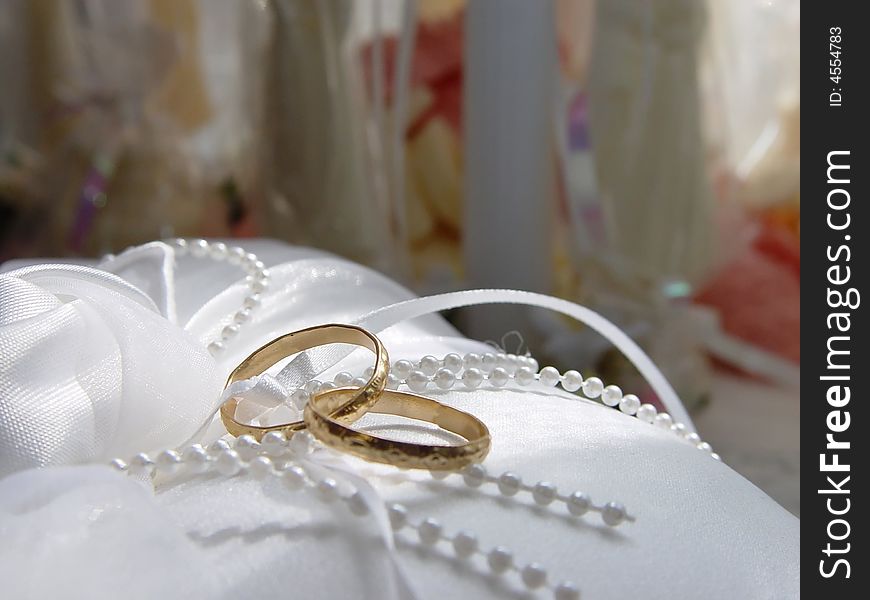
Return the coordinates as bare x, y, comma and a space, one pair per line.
78, 362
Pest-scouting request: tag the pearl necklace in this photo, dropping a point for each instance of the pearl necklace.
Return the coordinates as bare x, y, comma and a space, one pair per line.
278, 457
257, 281
499, 370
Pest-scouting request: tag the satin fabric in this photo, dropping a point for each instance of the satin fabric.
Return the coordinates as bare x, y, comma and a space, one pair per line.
701, 530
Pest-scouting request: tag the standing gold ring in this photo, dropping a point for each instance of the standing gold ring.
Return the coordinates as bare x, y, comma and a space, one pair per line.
356, 403
320, 417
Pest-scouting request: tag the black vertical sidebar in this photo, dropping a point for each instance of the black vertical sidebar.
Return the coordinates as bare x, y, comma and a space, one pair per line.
834, 226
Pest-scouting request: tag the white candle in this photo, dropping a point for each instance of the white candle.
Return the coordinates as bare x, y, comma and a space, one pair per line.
510, 83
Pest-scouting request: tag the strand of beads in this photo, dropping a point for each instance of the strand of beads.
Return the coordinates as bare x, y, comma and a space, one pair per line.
275, 445
500, 370
257, 281
473, 476
466, 546
271, 458
543, 493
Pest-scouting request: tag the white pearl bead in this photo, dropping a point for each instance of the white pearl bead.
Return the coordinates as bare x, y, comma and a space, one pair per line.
613, 513
246, 446
393, 382
429, 364
357, 504
260, 467
465, 544
195, 458
509, 483
118, 464
299, 398
218, 447
218, 251
646, 413
301, 443
533, 364
472, 360
327, 490
593, 387
142, 464
693, 438
704, 447
229, 332
180, 245
429, 531
401, 369
544, 493
534, 576
398, 515
444, 378
251, 302
198, 248
663, 420
499, 377
168, 461
472, 378
629, 404
715, 456
294, 477
312, 387
342, 379
439, 475
488, 362
549, 376
215, 348
512, 363
273, 443
418, 381
500, 559
578, 503
572, 381
359, 382
258, 286
611, 395
235, 255
453, 362
242, 315
679, 429
228, 463
474, 475
566, 591
327, 385
525, 376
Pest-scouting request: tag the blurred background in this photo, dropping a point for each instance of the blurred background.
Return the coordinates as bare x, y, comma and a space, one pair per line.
639, 157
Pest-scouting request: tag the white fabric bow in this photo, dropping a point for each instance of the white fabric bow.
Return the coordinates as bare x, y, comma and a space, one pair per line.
91, 368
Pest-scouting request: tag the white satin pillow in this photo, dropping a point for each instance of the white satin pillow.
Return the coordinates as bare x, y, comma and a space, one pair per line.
702, 531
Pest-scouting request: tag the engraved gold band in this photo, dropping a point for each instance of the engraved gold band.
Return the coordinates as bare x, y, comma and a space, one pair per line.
320, 417
356, 403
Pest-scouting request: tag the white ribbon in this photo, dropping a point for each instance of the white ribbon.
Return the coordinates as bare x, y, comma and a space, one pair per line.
313, 362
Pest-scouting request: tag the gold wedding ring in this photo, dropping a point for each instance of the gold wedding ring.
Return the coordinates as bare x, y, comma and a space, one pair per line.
326, 424
356, 401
